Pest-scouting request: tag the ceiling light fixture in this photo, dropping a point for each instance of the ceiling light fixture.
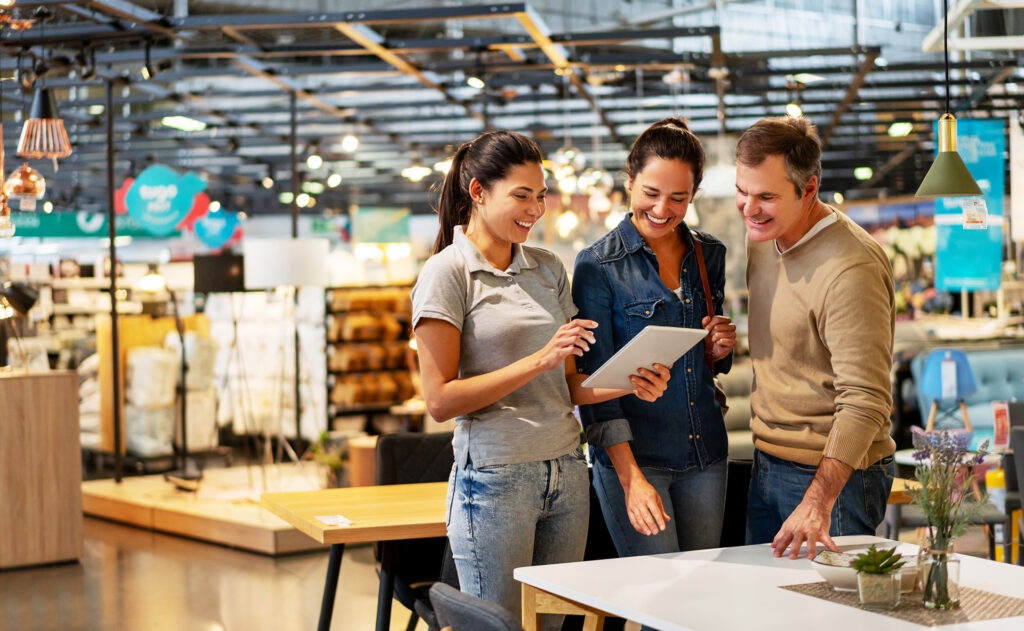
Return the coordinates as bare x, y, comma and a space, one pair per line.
334, 180
793, 109
43, 134
948, 176
863, 173
474, 81
214, 206
314, 161
268, 182
349, 143
183, 123
901, 129
302, 200
807, 77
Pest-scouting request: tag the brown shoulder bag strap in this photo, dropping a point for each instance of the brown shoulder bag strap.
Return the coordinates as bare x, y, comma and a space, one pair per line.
708, 352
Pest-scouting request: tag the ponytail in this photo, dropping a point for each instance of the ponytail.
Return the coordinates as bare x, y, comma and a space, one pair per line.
454, 205
488, 159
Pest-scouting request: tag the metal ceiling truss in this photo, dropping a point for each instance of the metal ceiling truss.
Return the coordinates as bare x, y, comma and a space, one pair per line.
376, 74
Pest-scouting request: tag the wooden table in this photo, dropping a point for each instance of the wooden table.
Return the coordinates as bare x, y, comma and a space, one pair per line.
378, 513
900, 491
729, 588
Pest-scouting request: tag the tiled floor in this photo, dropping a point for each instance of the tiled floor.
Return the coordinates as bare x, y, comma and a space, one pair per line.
140, 580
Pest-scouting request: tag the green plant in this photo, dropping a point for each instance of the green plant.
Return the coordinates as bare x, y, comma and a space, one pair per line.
875, 561
326, 453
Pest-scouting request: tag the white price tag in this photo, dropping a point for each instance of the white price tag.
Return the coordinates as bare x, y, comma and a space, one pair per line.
335, 520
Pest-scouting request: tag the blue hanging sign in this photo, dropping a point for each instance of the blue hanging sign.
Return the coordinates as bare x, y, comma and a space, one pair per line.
160, 198
972, 259
216, 229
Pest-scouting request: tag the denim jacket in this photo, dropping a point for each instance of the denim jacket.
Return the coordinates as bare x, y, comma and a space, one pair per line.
616, 284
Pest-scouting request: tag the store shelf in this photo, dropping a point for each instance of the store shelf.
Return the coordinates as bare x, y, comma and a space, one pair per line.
128, 308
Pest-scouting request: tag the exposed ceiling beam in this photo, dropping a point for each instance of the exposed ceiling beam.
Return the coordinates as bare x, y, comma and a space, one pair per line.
932, 42
851, 95
534, 25
373, 42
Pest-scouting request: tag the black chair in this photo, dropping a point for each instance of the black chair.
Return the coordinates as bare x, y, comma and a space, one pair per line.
464, 612
408, 568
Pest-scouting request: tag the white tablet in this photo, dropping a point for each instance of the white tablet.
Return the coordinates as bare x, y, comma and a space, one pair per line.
654, 345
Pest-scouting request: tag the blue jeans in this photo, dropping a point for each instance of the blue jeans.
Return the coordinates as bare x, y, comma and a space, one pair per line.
694, 500
777, 487
509, 516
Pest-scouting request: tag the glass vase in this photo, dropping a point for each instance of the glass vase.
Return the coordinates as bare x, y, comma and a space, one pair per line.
879, 591
940, 575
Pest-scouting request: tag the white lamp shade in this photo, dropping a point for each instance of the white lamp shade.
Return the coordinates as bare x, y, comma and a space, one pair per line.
271, 263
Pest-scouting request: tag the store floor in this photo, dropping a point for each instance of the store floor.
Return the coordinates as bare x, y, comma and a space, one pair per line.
146, 581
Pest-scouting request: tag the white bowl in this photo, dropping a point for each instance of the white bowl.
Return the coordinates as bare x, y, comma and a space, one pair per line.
843, 578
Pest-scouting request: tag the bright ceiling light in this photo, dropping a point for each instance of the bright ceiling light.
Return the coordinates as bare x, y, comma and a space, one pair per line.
475, 82
183, 123
302, 200
838, 198
794, 110
334, 180
349, 143
153, 281
313, 188
901, 129
863, 173
415, 172
881, 62
286, 197
214, 206
807, 77
268, 182
95, 110
314, 161
47, 207
443, 166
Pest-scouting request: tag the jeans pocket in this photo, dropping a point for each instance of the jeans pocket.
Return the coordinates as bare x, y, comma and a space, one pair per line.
805, 468
450, 497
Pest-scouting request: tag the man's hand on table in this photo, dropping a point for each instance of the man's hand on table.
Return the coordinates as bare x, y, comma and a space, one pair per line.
810, 520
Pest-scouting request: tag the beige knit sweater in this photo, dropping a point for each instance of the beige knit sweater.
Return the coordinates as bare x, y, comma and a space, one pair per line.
821, 330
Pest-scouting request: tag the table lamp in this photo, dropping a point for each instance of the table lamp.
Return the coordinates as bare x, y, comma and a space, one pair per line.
291, 263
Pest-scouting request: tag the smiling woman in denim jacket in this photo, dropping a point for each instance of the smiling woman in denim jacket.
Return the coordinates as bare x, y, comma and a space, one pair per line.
496, 353
659, 468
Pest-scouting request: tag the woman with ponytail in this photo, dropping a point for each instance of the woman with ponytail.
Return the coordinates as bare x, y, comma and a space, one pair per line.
659, 468
496, 348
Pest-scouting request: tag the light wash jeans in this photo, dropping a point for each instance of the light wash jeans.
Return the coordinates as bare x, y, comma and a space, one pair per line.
777, 487
509, 516
694, 500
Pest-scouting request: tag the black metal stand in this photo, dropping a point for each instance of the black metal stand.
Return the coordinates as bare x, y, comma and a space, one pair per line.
187, 471
112, 235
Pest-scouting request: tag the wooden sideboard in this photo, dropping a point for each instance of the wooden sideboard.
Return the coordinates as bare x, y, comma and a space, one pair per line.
40, 469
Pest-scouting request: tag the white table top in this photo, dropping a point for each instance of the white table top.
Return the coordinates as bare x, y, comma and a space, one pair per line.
738, 589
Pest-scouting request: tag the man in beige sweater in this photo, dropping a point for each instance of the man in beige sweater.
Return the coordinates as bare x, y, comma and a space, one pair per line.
821, 329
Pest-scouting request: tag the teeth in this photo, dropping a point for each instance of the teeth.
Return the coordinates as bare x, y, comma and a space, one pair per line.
761, 222
657, 221
523, 224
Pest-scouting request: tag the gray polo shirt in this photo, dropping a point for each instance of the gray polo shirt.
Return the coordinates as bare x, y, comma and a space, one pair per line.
503, 316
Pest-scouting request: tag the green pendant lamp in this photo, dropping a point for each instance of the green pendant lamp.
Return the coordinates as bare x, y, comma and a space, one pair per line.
948, 175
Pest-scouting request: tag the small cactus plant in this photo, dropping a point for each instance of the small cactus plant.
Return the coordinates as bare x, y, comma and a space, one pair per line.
876, 561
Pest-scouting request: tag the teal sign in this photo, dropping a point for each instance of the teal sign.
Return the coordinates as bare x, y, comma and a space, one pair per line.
160, 198
382, 225
971, 259
76, 224
216, 229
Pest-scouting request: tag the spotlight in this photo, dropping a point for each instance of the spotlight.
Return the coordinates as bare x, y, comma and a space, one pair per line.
314, 161
214, 206
349, 143
475, 82
863, 173
268, 182
900, 129
793, 109
334, 180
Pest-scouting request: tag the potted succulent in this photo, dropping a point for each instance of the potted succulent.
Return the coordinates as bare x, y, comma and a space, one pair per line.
878, 581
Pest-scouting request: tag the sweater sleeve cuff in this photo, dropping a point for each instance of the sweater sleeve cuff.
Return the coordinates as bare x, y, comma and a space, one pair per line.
849, 441
607, 433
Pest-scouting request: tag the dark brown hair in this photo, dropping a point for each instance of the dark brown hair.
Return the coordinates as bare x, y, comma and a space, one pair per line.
668, 139
488, 158
795, 139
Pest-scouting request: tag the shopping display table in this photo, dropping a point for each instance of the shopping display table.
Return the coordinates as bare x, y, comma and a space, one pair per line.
378, 513
729, 588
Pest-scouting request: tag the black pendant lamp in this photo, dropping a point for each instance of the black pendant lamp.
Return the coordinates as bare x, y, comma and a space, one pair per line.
43, 135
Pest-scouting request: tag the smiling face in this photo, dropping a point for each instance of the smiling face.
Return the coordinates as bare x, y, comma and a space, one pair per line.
659, 196
769, 204
511, 207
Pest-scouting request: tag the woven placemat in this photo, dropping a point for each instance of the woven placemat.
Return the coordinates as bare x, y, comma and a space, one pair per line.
975, 604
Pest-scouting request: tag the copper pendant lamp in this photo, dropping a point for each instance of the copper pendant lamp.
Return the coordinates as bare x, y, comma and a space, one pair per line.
43, 135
